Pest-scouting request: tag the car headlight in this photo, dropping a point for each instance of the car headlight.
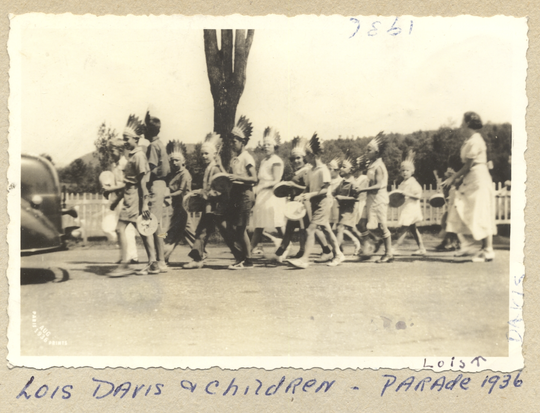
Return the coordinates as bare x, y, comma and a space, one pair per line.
37, 200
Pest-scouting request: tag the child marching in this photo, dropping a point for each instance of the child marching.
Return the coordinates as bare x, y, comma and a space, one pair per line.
411, 213
317, 194
375, 211
179, 183
346, 193
243, 176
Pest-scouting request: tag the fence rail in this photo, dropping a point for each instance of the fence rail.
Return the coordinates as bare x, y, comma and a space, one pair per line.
92, 207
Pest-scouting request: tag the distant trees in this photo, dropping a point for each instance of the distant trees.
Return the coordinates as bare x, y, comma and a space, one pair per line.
80, 177
435, 150
102, 144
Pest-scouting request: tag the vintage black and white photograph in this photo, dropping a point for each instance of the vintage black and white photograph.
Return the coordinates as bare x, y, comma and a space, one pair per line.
332, 192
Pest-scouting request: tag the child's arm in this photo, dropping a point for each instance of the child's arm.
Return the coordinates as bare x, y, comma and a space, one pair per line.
143, 183
459, 174
308, 195
377, 182
250, 179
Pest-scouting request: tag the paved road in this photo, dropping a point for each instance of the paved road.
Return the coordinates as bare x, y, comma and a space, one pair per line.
412, 307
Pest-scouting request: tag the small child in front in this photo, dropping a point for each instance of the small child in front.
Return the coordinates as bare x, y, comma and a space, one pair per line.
411, 213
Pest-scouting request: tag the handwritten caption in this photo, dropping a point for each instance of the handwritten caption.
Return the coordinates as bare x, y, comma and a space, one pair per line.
103, 389
381, 28
459, 382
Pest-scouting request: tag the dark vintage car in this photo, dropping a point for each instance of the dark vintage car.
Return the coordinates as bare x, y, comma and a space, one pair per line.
41, 207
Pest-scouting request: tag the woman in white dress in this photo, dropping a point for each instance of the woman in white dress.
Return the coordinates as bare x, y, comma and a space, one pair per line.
268, 211
474, 207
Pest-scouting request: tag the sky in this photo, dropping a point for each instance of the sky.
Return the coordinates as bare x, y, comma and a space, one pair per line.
305, 74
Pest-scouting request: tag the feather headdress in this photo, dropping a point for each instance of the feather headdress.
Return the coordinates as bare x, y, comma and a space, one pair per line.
299, 146
409, 160
176, 149
243, 129
378, 143
334, 163
347, 163
134, 127
315, 145
152, 124
362, 163
212, 142
270, 134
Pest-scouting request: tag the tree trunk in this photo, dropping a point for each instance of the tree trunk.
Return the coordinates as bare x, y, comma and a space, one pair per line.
227, 79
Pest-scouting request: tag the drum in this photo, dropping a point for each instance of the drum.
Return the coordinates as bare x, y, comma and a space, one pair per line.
221, 183
147, 227
106, 179
286, 189
396, 198
437, 200
345, 200
194, 202
295, 211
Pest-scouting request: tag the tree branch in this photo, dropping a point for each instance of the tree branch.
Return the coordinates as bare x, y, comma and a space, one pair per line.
227, 53
213, 59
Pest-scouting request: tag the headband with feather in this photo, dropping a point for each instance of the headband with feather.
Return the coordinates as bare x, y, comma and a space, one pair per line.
315, 145
134, 127
299, 146
362, 163
378, 143
347, 163
409, 160
212, 142
243, 129
176, 149
272, 135
153, 125
334, 163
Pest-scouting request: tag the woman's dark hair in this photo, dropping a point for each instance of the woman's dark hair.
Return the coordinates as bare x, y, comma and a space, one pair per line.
472, 120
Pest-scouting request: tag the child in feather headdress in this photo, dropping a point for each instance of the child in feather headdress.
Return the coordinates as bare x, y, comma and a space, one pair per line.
301, 171
159, 169
317, 194
411, 213
243, 176
136, 177
376, 208
346, 193
179, 183
215, 208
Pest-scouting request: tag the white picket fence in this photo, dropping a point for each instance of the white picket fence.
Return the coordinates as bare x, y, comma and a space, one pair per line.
92, 207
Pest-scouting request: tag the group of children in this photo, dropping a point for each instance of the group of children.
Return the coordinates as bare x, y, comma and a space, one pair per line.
233, 198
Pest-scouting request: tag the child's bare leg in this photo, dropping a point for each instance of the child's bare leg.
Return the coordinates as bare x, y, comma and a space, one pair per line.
321, 238
122, 240
310, 241
387, 238
417, 237
159, 245
327, 229
256, 238
150, 248
401, 235
339, 235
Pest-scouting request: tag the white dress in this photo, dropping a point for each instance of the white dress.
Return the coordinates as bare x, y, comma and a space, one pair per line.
268, 211
474, 207
411, 213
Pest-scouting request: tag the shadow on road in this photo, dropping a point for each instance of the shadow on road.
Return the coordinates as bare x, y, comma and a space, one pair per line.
43, 275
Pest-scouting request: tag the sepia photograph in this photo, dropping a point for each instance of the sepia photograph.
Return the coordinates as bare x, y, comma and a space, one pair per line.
333, 192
